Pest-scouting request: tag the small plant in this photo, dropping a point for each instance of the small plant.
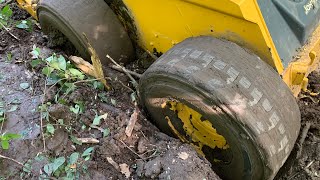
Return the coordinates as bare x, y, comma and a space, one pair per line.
25, 24
68, 168
5, 15
5, 138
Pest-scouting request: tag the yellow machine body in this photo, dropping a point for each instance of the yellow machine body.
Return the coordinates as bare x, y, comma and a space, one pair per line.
160, 24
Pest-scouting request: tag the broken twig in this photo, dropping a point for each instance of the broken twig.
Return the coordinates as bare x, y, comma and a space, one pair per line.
303, 137
134, 82
8, 31
17, 162
41, 116
115, 67
88, 140
131, 150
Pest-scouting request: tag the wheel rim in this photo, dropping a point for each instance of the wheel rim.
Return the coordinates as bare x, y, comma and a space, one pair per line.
191, 127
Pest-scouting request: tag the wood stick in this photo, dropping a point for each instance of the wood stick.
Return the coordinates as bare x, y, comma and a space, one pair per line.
130, 72
8, 31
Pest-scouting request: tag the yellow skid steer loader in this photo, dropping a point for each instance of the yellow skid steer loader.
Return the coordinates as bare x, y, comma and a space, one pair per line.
227, 74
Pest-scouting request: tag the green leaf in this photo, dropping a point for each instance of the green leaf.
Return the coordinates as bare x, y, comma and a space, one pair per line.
6, 12
53, 57
60, 121
35, 52
50, 128
69, 87
87, 152
27, 166
35, 63
13, 108
62, 63
5, 144
24, 85
55, 65
75, 140
23, 25
9, 56
9, 136
73, 158
106, 132
48, 168
98, 85
75, 109
47, 71
96, 120
57, 163
76, 73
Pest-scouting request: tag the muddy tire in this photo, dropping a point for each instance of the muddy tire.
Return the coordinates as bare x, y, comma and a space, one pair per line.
209, 87
72, 18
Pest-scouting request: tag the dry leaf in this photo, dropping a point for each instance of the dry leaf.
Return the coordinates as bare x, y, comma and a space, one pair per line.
183, 155
132, 122
85, 66
73, 166
124, 169
97, 66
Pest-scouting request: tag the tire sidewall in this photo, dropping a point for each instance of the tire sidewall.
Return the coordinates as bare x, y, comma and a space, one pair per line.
247, 156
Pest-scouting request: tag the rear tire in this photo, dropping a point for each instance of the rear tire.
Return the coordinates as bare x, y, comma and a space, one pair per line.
239, 95
94, 18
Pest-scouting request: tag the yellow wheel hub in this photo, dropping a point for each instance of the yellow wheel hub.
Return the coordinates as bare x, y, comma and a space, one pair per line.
200, 131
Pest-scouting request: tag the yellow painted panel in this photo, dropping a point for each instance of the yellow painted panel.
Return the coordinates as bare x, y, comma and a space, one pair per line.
29, 6
163, 23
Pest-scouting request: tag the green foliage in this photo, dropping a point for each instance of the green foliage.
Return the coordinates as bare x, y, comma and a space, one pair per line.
5, 15
5, 139
25, 24
50, 129
9, 57
63, 168
51, 168
87, 153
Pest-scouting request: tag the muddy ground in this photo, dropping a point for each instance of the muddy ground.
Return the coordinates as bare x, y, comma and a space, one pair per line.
146, 154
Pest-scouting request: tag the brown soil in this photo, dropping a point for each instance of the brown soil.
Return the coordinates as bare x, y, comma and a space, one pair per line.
148, 152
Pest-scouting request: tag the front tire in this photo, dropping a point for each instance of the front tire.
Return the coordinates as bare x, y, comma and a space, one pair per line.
72, 18
227, 102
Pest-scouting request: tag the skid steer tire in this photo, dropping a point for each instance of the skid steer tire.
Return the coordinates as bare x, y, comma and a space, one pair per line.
226, 102
94, 18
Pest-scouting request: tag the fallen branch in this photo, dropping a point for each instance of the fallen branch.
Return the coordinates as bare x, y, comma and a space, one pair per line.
134, 82
8, 31
302, 138
41, 116
17, 162
131, 150
132, 122
130, 72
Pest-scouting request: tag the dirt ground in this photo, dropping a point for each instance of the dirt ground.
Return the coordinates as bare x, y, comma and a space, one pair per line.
146, 154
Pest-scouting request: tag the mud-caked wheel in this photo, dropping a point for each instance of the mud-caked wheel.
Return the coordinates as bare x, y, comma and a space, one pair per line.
225, 101
94, 18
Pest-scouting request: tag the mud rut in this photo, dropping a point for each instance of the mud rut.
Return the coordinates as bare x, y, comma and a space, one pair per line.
148, 152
